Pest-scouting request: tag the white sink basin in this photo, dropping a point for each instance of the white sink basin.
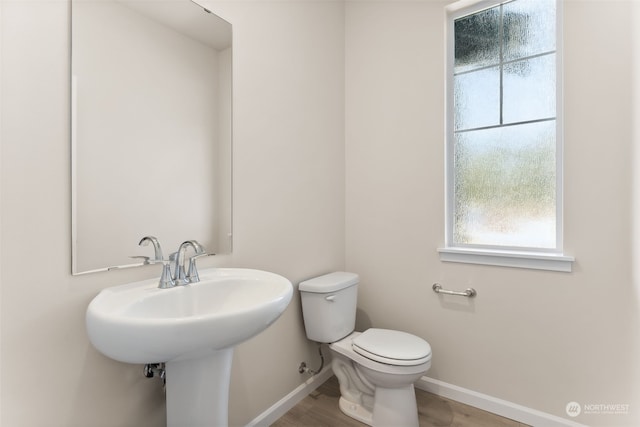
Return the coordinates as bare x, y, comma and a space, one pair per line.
140, 323
193, 329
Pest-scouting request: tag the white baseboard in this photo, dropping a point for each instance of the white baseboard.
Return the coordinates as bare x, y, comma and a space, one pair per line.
485, 402
494, 405
283, 405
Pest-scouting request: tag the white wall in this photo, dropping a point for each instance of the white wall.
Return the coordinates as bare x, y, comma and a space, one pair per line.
288, 211
539, 339
536, 338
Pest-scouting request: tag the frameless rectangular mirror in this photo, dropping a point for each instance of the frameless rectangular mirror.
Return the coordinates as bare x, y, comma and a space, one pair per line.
151, 129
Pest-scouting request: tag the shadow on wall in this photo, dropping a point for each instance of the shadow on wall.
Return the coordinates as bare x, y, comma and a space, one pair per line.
363, 322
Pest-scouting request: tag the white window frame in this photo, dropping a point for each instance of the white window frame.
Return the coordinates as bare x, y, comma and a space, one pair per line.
533, 258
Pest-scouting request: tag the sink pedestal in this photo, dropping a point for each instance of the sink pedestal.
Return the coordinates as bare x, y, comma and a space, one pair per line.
197, 390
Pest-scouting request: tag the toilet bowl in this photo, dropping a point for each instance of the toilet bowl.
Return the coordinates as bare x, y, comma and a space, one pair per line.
376, 368
374, 392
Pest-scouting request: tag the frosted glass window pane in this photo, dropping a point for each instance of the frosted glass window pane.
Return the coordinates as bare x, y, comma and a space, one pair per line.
529, 89
504, 186
529, 28
477, 40
477, 98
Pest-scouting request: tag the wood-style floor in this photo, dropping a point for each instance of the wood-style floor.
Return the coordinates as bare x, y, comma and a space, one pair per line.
320, 409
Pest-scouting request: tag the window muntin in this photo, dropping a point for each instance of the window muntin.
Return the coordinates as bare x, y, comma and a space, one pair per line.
503, 161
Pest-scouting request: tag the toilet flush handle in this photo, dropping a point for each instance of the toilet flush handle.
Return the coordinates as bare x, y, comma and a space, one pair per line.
330, 298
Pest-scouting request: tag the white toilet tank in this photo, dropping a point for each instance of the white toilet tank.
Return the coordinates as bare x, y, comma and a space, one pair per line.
329, 306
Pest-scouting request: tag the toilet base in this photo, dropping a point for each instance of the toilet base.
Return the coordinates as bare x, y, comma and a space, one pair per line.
355, 411
395, 407
374, 393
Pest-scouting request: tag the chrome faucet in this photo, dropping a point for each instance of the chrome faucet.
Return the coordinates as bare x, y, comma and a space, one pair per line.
180, 276
166, 281
192, 272
156, 246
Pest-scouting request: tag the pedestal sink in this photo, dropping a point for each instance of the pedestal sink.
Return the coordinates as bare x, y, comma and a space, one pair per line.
193, 329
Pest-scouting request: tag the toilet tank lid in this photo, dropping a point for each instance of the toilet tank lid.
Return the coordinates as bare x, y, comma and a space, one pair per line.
331, 282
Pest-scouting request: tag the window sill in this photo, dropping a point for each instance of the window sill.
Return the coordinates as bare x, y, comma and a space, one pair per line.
535, 261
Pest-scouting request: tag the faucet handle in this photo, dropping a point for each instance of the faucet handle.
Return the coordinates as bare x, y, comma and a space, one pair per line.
156, 246
166, 281
192, 273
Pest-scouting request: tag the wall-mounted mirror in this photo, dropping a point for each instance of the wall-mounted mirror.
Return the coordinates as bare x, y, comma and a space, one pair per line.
151, 129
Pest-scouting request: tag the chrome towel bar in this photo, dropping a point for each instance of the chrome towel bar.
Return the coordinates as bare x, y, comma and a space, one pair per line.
437, 288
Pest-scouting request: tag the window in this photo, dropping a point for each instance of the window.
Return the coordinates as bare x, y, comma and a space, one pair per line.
504, 175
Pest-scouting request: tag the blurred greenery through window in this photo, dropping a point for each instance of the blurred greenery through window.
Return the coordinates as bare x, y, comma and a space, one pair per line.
502, 133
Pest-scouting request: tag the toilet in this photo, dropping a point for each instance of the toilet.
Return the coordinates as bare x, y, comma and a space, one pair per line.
376, 368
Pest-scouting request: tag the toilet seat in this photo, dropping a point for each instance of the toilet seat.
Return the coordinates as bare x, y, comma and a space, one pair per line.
392, 347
